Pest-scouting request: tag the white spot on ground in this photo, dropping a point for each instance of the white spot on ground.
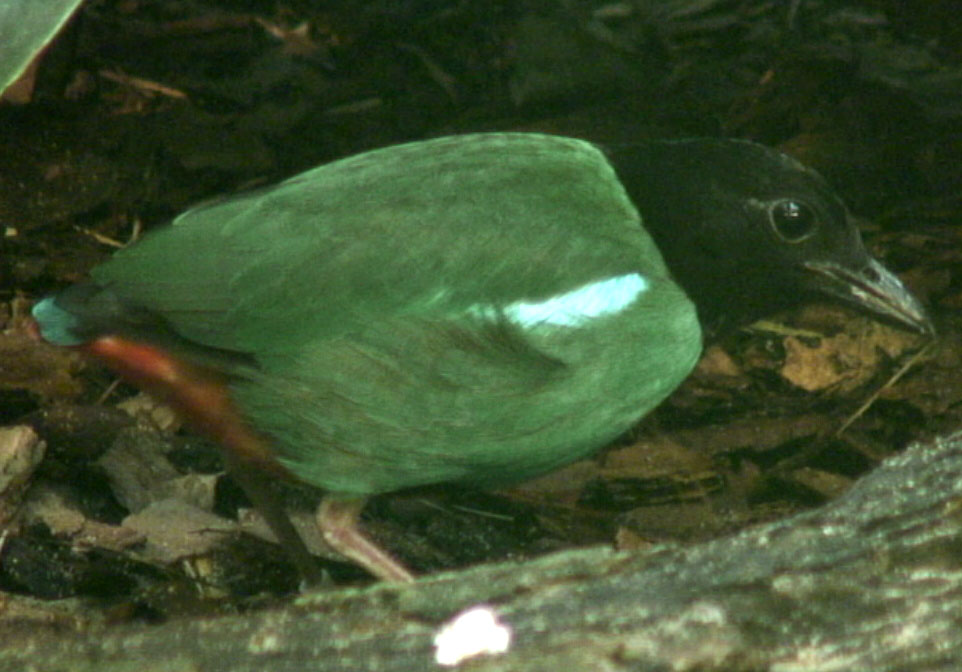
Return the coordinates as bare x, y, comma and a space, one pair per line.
471, 633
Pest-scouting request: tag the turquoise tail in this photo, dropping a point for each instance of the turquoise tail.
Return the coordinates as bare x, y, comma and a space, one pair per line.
56, 324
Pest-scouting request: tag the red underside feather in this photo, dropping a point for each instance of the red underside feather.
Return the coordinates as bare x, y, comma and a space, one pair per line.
199, 395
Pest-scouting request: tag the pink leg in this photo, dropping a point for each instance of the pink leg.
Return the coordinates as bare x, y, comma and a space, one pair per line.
338, 520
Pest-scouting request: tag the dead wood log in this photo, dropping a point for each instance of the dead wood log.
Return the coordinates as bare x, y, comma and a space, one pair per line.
872, 581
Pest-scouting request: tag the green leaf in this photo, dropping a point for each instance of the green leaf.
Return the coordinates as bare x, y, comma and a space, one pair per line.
26, 27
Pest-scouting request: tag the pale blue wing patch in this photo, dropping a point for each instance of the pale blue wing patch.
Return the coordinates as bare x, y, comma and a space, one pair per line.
574, 308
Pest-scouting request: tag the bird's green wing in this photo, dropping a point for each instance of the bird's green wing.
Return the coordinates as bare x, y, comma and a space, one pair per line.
428, 229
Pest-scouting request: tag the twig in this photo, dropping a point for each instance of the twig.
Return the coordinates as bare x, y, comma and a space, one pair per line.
889, 383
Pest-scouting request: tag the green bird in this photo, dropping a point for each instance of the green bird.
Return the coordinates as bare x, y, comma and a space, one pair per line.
475, 309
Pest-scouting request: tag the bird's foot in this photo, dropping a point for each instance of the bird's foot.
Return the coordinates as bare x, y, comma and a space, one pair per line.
338, 520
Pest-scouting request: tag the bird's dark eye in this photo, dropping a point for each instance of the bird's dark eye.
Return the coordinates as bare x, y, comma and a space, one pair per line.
793, 221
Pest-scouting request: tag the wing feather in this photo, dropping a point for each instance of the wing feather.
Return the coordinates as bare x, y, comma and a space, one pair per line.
426, 229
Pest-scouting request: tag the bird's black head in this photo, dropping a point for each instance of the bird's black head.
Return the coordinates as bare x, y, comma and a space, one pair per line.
747, 231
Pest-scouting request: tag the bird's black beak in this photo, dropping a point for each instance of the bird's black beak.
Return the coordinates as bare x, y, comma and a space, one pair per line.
875, 289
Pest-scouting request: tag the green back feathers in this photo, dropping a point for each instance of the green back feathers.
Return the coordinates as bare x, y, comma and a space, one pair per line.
425, 229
